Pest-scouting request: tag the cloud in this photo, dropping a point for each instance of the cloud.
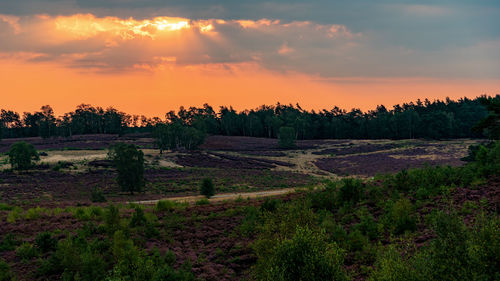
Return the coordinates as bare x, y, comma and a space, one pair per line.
115, 44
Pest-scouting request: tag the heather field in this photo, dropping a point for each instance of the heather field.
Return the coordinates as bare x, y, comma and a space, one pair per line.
377, 206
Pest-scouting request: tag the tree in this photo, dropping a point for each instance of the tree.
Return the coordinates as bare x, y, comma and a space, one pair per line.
175, 136
491, 124
129, 162
287, 137
207, 188
22, 155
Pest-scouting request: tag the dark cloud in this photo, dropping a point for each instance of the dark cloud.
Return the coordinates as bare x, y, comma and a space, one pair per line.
445, 38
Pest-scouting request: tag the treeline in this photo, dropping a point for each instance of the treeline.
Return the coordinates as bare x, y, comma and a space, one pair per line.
438, 119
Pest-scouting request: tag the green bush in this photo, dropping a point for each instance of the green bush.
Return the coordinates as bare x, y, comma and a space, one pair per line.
112, 218
390, 266
9, 243
207, 188
97, 196
5, 273
45, 242
164, 205
26, 251
368, 226
356, 240
305, 256
22, 155
350, 191
129, 162
402, 217
203, 201
270, 205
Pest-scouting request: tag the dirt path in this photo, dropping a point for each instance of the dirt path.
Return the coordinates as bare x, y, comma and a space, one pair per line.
222, 196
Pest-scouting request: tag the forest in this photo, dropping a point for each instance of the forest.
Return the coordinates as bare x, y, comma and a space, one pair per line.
439, 119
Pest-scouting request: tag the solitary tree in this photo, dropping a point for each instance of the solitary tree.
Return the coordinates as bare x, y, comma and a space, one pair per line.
287, 137
129, 162
207, 188
22, 155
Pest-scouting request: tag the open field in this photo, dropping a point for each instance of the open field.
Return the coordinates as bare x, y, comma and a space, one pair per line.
216, 238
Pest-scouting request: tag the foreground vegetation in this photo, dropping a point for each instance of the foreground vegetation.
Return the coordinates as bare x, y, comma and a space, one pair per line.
435, 223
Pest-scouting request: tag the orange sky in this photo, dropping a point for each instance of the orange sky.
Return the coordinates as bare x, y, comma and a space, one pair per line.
152, 66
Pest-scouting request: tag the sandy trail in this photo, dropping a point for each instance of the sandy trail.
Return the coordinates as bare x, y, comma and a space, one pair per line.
222, 196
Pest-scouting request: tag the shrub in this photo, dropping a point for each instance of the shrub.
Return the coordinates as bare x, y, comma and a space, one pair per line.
356, 240
129, 162
306, 256
138, 218
97, 196
324, 199
402, 216
449, 252
45, 242
368, 226
270, 205
5, 273
207, 188
8, 243
203, 201
164, 205
22, 155
287, 138
350, 191
112, 218
26, 251
390, 266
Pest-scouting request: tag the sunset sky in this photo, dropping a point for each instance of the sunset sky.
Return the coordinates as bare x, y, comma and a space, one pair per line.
151, 56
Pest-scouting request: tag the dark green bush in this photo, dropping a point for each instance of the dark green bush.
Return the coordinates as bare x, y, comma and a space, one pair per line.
129, 162
45, 242
5, 273
401, 217
9, 243
356, 240
305, 256
270, 205
324, 199
368, 226
26, 251
22, 155
350, 191
138, 218
112, 218
207, 188
97, 196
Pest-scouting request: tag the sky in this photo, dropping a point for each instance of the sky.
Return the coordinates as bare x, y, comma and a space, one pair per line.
152, 56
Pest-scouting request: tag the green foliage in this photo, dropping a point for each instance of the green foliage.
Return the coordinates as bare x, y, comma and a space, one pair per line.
391, 266
287, 138
177, 135
401, 216
26, 251
270, 205
164, 205
305, 256
22, 155
350, 191
368, 226
129, 162
97, 196
5, 272
324, 199
112, 218
8, 243
207, 187
203, 201
45, 242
